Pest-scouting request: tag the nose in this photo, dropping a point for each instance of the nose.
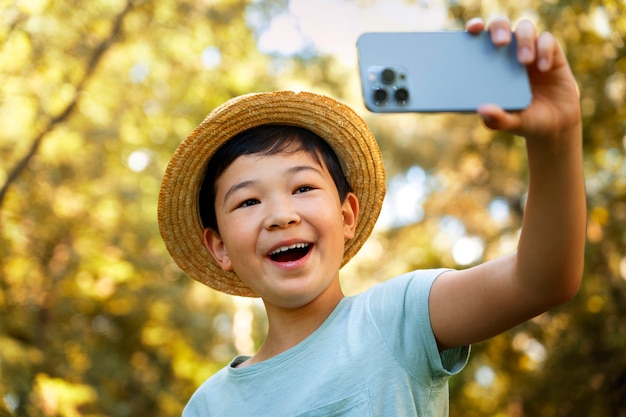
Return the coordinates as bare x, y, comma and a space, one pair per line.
281, 213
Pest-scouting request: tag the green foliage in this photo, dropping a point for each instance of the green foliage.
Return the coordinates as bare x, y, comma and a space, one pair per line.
96, 320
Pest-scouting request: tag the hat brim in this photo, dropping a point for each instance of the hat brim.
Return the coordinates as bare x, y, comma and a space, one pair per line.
344, 130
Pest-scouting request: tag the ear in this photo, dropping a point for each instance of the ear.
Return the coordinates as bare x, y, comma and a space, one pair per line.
214, 243
350, 214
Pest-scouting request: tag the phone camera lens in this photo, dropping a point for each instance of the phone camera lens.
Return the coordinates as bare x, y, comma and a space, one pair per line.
388, 76
401, 95
380, 95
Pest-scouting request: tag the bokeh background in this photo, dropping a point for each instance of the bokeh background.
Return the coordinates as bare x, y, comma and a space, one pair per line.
96, 319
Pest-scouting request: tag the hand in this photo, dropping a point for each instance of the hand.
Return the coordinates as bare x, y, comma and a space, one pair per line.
555, 107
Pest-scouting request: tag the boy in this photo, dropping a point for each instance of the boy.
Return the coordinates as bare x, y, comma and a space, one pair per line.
274, 192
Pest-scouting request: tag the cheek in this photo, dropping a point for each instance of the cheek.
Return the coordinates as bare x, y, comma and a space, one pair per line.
236, 230
326, 217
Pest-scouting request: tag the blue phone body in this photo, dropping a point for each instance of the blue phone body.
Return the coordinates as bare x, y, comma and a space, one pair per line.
447, 71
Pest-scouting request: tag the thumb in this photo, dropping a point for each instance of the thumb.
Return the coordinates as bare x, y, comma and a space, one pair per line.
496, 118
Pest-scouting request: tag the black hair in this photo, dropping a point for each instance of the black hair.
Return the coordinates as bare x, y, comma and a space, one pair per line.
266, 140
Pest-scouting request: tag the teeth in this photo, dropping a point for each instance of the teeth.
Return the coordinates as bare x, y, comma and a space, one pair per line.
290, 247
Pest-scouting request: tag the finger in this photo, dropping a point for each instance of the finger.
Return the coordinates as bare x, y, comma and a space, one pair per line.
500, 29
546, 46
525, 35
496, 118
475, 25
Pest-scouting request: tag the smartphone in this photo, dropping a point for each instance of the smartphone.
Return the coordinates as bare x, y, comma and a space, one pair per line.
447, 71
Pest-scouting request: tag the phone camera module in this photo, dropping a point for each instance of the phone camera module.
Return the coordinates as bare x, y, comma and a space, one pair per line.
401, 95
388, 76
388, 87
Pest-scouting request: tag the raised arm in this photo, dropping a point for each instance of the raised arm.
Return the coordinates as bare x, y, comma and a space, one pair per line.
480, 302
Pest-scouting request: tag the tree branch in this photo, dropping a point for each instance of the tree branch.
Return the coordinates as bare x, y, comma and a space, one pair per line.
92, 64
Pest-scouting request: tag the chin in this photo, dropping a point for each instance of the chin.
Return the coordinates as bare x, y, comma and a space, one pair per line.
297, 298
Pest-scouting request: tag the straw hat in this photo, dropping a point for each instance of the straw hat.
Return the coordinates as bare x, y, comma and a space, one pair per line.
337, 124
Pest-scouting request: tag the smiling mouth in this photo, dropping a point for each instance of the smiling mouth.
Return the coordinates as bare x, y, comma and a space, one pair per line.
290, 253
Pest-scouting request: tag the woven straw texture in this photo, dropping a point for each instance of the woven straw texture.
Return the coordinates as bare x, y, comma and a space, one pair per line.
339, 125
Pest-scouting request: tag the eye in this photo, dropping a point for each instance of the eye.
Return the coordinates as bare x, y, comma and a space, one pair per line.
303, 189
249, 202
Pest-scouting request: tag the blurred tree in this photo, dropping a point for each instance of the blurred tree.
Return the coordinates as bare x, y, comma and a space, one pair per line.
95, 319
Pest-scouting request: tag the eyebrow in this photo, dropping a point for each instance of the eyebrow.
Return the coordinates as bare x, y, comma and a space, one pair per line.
248, 183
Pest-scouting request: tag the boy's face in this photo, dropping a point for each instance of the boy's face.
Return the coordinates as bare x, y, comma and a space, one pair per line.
282, 226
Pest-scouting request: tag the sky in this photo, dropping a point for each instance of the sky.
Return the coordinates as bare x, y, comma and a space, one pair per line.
333, 26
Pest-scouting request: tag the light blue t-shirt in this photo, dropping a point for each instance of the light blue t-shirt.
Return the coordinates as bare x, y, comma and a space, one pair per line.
375, 355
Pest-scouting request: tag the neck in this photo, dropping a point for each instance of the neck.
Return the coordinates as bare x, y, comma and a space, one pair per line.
290, 326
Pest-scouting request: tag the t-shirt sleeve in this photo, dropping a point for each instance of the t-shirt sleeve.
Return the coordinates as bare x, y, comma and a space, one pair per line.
399, 309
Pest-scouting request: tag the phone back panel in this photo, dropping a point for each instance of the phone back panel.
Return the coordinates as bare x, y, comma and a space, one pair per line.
439, 72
